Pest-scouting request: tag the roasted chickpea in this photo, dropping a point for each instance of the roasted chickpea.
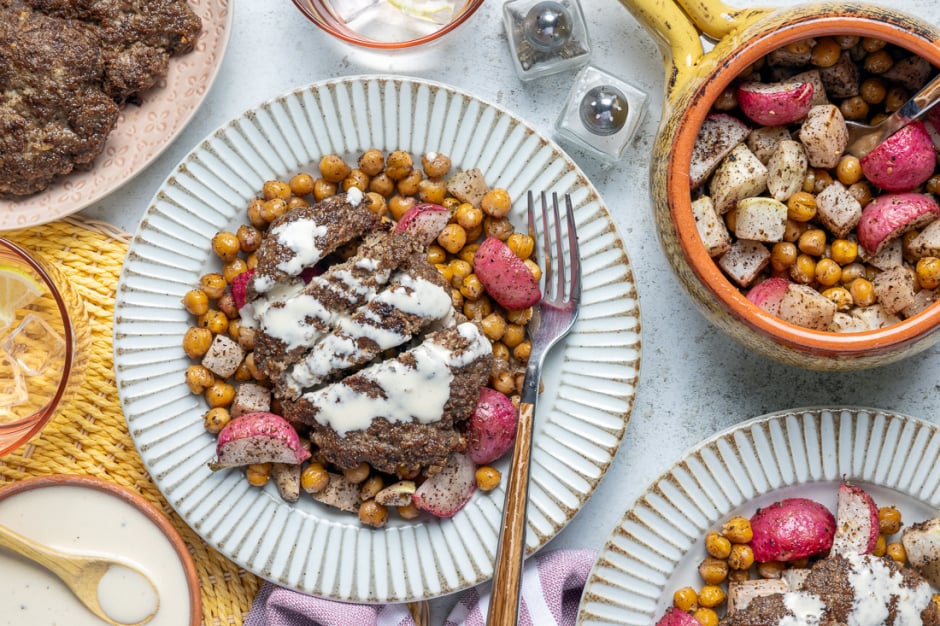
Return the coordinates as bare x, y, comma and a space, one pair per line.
356, 179
372, 161
826, 52
889, 520
314, 478
843, 251
933, 184
928, 272
258, 474
371, 513
196, 302
471, 287
398, 205
871, 44
408, 184
255, 372
500, 351
881, 546
523, 351
861, 191
233, 268
738, 530
705, 616
199, 378
215, 321
216, 419
783, 256
254, 213
333, 168
812, 242
514, 335
801, 206
804, 270
371, 486
495, 203
873, 90
225, 245
727, 100
799, 47
493, 325
433, 191
895, 550
771, 569
468, 252
713, 571
382, 184
376, 203
711, 596
738, 575
519, 316
213, 285
685, 599
358, 473
863, 292
741, 557
478, 309
849, 170
717, 545
534, 268
435, 164
878, 62
452, 238
323, 188
487, 477
275, 189
854, 108
521, 245
895, 98
249, 238
468, 215
409, 511
840, 296
220, 393
296, 202
828, 272
196, 342
500, 228
398, 164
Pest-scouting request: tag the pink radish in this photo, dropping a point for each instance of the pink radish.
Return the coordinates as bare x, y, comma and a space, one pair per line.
240, 288
677, 617
775, 104
424, 222
857, 523
902, 161
445, 493
769, 293
258, 438
791, 529
506, 278
491, 429
889, 216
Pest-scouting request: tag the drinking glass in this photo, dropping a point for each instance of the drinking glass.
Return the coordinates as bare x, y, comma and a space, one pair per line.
44, 340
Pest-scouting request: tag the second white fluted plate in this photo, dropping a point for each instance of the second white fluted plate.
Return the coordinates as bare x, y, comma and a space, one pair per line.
658, 545
589, 381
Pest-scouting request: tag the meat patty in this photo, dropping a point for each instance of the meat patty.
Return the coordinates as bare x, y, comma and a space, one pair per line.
850, 589
401, 415
65, 68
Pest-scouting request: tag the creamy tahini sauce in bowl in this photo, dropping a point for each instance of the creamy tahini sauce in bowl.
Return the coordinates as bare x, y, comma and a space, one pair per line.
93, 516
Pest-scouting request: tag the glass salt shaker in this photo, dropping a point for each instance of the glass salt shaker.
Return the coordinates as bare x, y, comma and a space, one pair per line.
546, 36
601, 114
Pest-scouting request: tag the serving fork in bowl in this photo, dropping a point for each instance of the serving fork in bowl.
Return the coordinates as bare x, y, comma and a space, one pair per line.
552, 319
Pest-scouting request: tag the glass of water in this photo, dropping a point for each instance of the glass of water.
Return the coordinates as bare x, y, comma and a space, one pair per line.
44, 339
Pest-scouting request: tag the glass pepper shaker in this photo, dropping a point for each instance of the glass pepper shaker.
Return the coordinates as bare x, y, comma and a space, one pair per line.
546, 36
601, 114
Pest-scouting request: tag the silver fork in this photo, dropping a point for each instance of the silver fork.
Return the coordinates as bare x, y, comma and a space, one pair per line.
552, 320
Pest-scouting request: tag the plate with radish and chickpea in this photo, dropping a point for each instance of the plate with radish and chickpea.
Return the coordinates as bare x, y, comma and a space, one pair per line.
799, 516
320, 337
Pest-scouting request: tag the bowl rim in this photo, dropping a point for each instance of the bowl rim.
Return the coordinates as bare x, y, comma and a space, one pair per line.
151, 511
771, 34
15, 434
320, 15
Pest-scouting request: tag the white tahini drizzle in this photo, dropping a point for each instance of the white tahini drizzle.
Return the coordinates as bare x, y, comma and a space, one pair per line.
414, 296
875, 585
300, 236
807, 609
408, 393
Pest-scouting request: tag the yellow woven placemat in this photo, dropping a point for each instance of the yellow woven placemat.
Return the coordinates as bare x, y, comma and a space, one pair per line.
89, 435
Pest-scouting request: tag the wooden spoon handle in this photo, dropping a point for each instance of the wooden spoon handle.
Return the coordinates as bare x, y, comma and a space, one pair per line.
42, 555
507, 574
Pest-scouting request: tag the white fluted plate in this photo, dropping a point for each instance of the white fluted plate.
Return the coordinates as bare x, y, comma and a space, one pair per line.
659, 543
589, 380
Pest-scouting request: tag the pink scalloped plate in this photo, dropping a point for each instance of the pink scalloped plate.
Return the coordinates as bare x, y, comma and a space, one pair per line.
142, 132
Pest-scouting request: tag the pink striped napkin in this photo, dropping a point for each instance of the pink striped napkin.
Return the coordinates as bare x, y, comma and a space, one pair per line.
551, 590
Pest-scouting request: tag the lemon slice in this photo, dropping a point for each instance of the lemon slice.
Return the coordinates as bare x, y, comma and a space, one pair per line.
17, 289
437, 11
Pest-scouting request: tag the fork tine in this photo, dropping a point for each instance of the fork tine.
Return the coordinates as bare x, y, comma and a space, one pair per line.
547, 269
575, 252
559, 251
532, 230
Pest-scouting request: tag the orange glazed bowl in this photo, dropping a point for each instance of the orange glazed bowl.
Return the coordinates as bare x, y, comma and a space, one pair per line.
694, 82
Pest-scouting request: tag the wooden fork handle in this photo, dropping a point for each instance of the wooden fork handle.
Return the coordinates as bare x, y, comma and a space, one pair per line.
507, 573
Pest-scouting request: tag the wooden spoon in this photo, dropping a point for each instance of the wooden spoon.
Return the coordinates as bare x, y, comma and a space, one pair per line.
81, 573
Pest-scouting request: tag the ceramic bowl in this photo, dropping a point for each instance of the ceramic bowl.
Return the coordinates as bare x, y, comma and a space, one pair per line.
388, 24
694, 80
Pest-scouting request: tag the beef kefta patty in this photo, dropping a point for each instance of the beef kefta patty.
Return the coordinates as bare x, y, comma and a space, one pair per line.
65, 68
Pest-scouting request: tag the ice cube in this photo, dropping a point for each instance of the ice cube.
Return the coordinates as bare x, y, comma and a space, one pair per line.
35, 346
12, 384
348, 10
